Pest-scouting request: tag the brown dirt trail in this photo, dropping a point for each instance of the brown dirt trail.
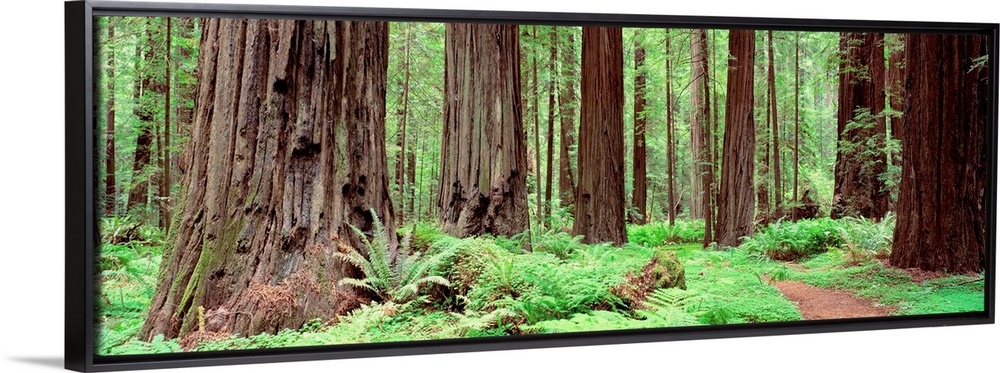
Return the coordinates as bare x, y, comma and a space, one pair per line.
816, 303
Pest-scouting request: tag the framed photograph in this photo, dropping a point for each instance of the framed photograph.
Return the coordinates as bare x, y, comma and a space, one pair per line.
266, 183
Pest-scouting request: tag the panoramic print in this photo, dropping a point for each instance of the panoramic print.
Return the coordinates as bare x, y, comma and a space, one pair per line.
268, 183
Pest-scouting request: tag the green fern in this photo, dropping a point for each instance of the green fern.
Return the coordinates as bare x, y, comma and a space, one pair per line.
671, 307
400, 279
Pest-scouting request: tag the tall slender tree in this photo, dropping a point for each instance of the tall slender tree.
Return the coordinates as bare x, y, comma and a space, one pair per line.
795, 149
942, 205
698, 54
144, 111
736, 201
483, 154
110, 183
402, 171
553, 56
286, 155
775, 154
599, 212
536, 108
639, 184
567, 115
671, 140
165, 145
859, 189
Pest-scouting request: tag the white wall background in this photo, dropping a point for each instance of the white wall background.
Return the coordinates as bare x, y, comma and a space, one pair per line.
31, 219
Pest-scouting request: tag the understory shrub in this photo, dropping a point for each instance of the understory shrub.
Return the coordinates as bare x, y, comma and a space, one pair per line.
661, 233
785, 240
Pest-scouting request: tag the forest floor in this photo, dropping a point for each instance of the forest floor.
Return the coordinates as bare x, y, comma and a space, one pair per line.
566, 286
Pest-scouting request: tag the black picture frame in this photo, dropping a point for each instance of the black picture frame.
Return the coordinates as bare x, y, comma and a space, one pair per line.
80, 172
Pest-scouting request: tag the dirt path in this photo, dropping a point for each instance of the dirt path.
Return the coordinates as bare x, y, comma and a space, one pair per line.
816, 303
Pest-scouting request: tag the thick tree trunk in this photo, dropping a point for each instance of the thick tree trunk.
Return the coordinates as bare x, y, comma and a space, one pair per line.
567, 116
639, 135
697, 207
553, 55
736, 200
110, 192
483, 154
942, 205
287, 152
671, 140
599, 213
858, 190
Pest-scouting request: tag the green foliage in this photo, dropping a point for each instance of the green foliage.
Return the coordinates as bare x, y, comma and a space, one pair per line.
126, 279
514, 289
400, 278
422, 235
671, 307
866, 240
661, 233
784, 240
560, 244
730, 288
136, 347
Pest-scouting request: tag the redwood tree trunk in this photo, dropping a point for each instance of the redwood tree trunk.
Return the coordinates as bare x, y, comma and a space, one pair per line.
599, 213
483, 154
639, 135
736, 198
286, 151
857, 188
567, 115
942, 205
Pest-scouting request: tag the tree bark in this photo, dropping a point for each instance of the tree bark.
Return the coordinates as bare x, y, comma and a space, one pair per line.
553, 55
483, 154
707, 160
858, 190
736, 200
567, 115
639, 134
942, 202
599, 213
110, 192
287, 151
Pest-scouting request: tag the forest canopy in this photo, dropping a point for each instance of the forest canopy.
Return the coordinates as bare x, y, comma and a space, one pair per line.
271, 183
